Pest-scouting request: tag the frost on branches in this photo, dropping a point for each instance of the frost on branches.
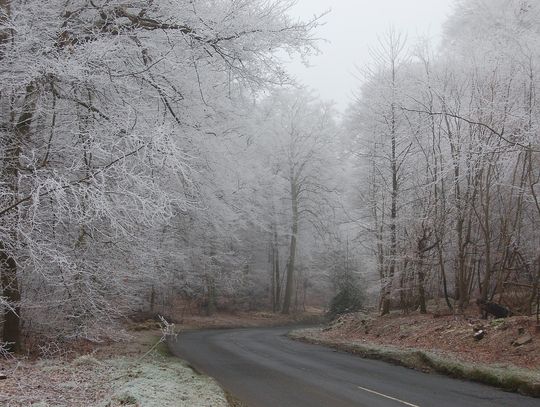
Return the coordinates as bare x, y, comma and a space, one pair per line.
448, 152
107, 109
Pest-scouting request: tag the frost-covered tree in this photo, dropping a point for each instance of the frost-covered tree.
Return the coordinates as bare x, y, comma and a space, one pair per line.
383, 144
107, 111
469, 204
299, 138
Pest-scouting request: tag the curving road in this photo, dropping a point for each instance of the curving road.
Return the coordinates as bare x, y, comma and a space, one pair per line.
262, 368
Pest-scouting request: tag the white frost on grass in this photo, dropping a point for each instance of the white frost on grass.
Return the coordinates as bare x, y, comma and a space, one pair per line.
163, 382
152, 381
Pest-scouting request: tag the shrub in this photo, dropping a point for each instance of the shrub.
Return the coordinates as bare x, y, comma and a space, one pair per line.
349, 299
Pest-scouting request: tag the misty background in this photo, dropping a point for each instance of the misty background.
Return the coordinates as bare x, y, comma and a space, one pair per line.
158, 160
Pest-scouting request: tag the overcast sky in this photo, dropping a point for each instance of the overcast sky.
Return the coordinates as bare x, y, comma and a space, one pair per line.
352, 27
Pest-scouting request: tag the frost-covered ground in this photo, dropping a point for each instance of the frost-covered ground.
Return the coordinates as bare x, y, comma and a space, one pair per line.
155, 380
164, 382
124, 373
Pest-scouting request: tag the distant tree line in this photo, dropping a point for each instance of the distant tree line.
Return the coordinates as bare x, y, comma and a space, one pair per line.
447, 148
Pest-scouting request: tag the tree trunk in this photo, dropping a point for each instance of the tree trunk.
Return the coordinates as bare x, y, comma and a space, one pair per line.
421, 249
485, 224
393, 227
535, 292
10, 288
8, 265
394, 198
292, 250
211, 298
273, 302
385, 304
277, 299
152, 299
422, 292
5, 35
443, 275
276, 277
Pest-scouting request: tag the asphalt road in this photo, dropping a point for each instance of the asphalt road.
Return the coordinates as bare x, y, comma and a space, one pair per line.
262, 368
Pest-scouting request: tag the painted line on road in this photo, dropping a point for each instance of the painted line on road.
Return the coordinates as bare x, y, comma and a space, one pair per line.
388, 397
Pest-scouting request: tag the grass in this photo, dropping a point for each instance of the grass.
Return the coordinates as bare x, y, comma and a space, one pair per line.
513, 379
161, 348
233, 401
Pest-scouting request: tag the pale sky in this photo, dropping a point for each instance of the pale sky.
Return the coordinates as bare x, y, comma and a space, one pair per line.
352, 28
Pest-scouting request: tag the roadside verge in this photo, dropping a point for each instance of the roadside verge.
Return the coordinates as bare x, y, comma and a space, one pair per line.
162, 380
136, 372
519, 380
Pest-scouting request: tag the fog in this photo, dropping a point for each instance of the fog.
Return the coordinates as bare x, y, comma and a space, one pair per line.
154, 159
351, 28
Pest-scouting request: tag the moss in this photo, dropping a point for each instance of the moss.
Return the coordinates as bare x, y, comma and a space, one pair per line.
499, 324
162, 349
486, 376
126, 400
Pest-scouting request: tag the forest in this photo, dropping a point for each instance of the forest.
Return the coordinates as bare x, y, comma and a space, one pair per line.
158, 157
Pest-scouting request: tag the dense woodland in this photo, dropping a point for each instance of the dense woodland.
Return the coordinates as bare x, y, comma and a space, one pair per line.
156, 156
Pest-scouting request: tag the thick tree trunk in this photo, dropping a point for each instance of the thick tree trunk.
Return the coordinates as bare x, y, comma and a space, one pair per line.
290, 277
5, 7
276, 275
10, 288
385, 304
292, 251
443, 276
8, 265
287, 300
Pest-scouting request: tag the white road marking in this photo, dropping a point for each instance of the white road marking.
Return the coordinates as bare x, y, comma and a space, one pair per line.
388, 397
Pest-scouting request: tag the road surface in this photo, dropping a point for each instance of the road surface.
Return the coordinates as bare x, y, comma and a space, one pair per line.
262, 368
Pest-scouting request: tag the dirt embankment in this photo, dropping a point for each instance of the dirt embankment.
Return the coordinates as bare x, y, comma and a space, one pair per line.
505, 354
451, 334
249, 320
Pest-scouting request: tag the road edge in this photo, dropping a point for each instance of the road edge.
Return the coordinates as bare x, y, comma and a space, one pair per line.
517, 382
231, 399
